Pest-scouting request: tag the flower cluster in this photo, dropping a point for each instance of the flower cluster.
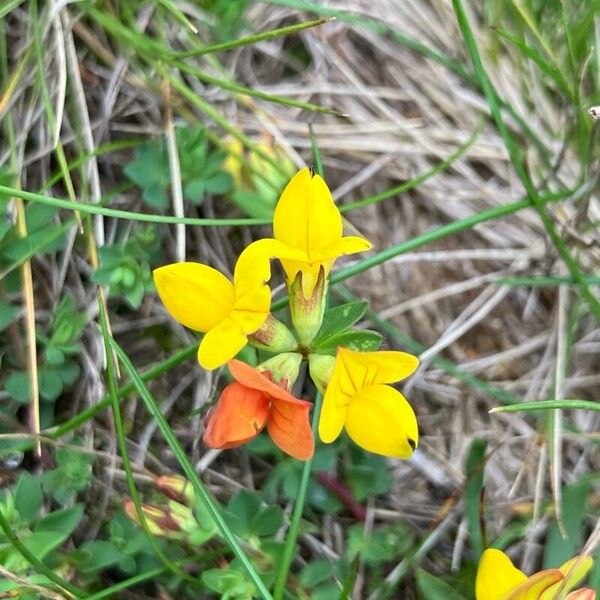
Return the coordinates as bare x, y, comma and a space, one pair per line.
498, 579
308, 238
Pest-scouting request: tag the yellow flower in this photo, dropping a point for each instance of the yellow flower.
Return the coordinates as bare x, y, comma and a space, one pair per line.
498, 579
375, 415
205, 300
307, 219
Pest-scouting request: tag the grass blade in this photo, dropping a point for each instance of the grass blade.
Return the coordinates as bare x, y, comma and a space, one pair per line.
94, 209
548, 405
253, 39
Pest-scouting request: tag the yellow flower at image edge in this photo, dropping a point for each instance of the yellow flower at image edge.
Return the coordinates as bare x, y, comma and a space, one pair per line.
307, 220
375, 415
498, 579
205, 300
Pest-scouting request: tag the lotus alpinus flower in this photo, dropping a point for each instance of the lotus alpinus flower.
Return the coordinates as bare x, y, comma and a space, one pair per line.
359, 399
307, 220
499, 579
254, 401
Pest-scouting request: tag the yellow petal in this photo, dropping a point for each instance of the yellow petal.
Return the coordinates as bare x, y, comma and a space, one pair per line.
252, 309
196, 295
381, 421
574, 571
338, 393
345, 245
367, 368
333, 413
310, 273
535, 586
306, 216
221, 344
496, 575
253, 267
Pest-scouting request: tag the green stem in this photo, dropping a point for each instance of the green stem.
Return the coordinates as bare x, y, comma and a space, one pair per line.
544, 281
548, 405
252, 39
152, 573
292, 534
188, 469
94, 209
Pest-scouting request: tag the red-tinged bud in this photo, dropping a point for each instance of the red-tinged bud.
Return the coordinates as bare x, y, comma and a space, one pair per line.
282, 369
172, 521
273, 336
307, 312
176, 488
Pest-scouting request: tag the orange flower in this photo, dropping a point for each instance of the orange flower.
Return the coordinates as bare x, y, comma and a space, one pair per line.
252, 402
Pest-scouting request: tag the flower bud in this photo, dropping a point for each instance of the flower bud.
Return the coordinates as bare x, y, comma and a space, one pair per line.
176, 488
307, 313
282, 369
172, 521
273, 336
320, 367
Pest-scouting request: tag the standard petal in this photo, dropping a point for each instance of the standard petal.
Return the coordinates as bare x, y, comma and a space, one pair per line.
496, 575
238, 417
196, 295
368, 368
381, 421
306, 216
534, 587
251, 377
221, 344
289, 427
